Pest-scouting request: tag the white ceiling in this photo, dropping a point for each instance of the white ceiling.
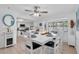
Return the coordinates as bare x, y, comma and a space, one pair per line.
54, 10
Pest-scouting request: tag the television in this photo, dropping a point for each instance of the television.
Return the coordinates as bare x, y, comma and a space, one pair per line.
22, 25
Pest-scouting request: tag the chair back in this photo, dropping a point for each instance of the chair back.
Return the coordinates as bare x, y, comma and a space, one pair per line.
56, 46
28, 40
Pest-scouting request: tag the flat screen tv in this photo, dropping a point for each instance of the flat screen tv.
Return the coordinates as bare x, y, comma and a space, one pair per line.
22, 25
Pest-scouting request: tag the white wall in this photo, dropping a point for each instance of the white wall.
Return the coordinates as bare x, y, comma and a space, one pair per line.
77, 41
77, 36
41, 28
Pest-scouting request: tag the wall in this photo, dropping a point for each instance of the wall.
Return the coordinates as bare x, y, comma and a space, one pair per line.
36, 25
77, 35
77, 41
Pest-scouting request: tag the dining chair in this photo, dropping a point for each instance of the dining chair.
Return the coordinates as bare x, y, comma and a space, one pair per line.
61, 33
33, 47
52, 47
57, 46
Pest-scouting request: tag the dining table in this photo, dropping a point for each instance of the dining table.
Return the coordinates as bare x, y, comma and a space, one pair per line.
41, 39
44, 39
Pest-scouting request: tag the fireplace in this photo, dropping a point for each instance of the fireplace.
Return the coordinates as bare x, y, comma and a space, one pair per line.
9, 41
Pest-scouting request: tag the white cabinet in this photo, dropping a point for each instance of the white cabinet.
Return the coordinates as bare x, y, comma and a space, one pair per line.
5, 38
71, 37
9, 40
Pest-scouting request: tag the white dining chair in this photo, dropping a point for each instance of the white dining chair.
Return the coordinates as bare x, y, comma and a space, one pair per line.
52, 47
61, 33
32, 47
57, 46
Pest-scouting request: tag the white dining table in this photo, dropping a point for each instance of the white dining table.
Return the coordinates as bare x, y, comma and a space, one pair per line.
41, 39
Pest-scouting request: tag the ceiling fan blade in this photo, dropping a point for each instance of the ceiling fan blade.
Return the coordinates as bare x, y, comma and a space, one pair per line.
28, 10
43, 11
31, 14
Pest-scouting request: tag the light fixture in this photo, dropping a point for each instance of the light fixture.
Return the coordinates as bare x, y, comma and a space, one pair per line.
36, 11
36, 14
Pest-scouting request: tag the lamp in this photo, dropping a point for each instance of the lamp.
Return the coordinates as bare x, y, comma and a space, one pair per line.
37, 14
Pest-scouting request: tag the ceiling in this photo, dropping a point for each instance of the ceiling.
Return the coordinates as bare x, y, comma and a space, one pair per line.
54, 10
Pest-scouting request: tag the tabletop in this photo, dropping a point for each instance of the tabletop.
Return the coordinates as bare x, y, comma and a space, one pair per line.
41, 39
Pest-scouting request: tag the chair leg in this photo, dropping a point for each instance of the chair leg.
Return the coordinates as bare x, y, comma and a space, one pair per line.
42, 50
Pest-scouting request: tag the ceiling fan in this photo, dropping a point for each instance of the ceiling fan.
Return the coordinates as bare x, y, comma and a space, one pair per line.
36, 11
